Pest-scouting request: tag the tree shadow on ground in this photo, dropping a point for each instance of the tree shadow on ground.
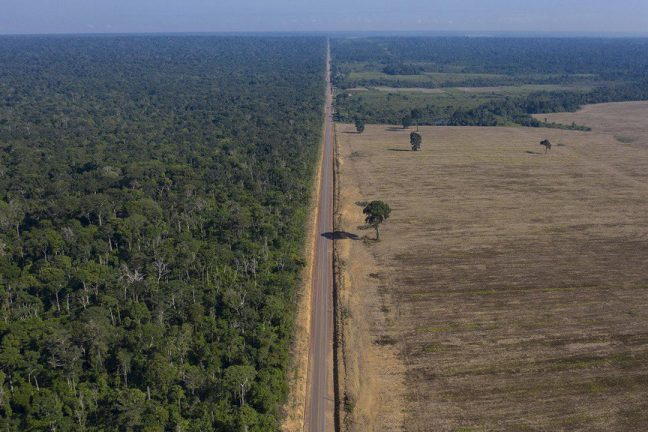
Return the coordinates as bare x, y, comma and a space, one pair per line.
352, 132
399, 150
340, 235
533, 153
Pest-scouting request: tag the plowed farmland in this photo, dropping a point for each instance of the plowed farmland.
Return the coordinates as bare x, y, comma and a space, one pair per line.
510, 288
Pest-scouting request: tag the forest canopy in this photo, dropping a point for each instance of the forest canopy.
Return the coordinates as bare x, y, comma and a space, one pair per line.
483, 81
153, 193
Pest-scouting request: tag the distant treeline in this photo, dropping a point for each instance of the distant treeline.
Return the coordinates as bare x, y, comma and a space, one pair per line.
344, 82
502, 111
401, 69
615, 69
519, 110
610, 59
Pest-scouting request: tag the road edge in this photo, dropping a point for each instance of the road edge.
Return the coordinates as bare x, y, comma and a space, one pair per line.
295, 406
339, 361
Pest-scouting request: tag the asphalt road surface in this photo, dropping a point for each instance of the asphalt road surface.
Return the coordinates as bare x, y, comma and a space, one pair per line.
319, 407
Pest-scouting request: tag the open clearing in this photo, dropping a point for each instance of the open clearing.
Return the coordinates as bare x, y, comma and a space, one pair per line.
431, 77
510, 291
627, 122
385, 102
507, 90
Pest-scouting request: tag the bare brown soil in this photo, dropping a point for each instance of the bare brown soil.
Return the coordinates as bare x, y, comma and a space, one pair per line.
370, 370
510, 290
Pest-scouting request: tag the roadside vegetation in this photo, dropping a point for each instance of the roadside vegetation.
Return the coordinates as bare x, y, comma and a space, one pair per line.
483, 81
153, 192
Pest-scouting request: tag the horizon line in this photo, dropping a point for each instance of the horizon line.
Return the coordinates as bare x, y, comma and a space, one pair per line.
455, 33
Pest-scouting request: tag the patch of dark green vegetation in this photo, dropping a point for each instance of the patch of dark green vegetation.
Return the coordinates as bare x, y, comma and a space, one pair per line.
624, 139
401, 69
385, 340
567, 74
153, 194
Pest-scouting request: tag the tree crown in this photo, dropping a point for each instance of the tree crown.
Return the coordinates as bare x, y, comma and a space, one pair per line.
360, 125
415, 141
377, 212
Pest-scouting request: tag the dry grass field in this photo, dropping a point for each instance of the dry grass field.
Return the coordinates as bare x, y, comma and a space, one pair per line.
510, 290
512, 89
627, 122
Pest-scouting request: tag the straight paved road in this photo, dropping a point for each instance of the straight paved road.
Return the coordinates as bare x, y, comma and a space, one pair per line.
319, 401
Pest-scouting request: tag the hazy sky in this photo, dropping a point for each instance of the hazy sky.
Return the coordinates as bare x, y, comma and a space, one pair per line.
100, 16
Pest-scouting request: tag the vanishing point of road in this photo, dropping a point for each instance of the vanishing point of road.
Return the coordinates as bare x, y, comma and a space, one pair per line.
320, 404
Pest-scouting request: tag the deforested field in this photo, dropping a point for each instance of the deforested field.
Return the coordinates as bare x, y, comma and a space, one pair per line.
510, 288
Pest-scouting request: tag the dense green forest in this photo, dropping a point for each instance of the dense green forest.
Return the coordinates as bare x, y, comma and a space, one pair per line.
590, 70
153, 193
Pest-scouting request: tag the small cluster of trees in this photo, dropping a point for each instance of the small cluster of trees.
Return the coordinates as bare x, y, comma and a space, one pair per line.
415, 115
401, 69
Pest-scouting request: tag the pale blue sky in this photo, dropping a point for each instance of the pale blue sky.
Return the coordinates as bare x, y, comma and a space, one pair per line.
125, 16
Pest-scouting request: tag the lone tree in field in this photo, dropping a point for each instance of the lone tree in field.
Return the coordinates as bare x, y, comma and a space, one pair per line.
406, 121
360, 125
546, 144
416, 115
415, 141
377, 212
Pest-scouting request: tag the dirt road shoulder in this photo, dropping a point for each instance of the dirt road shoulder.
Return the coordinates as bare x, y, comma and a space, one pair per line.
370, 371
